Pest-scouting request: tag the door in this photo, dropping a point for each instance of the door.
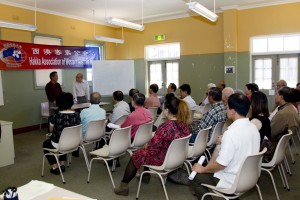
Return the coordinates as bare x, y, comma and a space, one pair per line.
163, 73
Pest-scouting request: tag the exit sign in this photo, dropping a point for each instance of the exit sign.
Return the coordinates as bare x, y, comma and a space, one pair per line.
159, 37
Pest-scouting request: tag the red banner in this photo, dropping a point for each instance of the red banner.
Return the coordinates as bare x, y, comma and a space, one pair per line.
22, 56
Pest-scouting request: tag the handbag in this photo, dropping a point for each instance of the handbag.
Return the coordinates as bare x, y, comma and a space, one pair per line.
271, 147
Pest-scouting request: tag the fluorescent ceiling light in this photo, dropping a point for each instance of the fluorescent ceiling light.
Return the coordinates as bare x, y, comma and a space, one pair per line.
109, 39
123, 23
201, 10
26, 27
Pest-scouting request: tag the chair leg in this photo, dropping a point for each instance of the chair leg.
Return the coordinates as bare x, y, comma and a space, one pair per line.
213, 194
284, 176
61, 174
292, 155
259, 192
43, 166
90, 169
111, 178
281, 176
287, 166
85, 156
187, 164
164, 187
273, 182
139, 187
296, 149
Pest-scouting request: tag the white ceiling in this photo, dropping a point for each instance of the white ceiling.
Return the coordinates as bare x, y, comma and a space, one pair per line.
131, 10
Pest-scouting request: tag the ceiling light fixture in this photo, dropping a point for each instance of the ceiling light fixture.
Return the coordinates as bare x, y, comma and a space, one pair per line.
19, 26
201, 10
124, 23
109, 39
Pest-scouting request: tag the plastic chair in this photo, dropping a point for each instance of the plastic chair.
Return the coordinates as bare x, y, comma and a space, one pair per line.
94, 133
175, 157
217, 131
277, 160
68, 142
142, 137
44, 112
153, 111
245, 179
118, 145
197, 148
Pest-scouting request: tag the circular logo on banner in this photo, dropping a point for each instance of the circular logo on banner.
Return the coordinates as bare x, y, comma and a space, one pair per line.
13, 55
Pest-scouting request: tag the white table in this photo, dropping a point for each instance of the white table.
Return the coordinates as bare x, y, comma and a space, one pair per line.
83, 105
7, 150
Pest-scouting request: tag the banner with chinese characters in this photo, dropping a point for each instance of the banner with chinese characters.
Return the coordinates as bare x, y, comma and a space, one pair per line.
22, 56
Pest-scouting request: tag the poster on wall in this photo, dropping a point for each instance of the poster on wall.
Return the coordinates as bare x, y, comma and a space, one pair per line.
22, 56
229, 70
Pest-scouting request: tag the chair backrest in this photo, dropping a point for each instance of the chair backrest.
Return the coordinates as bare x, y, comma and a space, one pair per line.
280, 149
176, 154
120, 120
95, 131
248, 174
153, 111
200, 143
119, 141
45, 109
143, 135
217, 131
70, 139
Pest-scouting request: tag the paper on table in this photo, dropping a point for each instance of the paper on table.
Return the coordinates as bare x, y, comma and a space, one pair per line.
33, 189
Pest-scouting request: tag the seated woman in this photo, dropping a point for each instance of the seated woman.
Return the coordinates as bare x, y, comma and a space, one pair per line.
63, 117
260, 114
177, 112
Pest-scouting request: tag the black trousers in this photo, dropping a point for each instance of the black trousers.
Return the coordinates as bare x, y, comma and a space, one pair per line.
51, 159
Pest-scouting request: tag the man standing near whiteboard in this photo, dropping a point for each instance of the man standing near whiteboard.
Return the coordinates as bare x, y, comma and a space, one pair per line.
81, 90
53, 89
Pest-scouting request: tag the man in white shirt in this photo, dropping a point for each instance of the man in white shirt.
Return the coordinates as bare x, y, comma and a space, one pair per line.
185, 91
81, 90
120, 107
239, 141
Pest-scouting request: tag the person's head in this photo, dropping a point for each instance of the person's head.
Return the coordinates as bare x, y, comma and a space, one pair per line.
118, 96
298, 86
259, 104
64, 101
153, 88
226, 92
185, 90
287, 95
95, 98
221, 85
280, 84
79, 77
214, 95
238, 106
171, 88
174, 107
132, 92
210, 85
250, 88
53, 76
138, 99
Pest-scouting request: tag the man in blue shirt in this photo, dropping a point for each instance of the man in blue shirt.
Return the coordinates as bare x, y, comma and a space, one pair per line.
94, 112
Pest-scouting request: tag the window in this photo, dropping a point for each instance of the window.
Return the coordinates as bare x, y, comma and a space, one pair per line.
289, 70
172, 73
89, 71
162, 52
156, 74
42, 76
263, 73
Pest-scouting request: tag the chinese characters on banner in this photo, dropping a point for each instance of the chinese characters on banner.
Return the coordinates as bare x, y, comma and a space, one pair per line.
22, 56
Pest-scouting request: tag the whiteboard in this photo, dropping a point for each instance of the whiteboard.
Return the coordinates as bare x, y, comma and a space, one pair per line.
112, 75
1, 91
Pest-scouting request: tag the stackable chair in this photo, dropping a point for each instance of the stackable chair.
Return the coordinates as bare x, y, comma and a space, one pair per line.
175, 157
197, 148
69, 141
277, 160
153, 111
217, 131
142, 137
94, 133
245, 179
44, 112
118, 145
117, 122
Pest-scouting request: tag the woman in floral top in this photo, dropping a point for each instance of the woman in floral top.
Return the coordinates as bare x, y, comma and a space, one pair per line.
178, 113
63, 117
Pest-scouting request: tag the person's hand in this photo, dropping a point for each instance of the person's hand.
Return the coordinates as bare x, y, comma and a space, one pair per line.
198, 168
219, 140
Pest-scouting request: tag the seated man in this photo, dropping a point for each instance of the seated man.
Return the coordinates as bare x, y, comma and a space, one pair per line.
152, 100
185, 94
239, 141
139, 116
120, 107
94, 112
171, 89
216, 113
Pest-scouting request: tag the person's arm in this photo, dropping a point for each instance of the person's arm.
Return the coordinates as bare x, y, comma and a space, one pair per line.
278, 125
74, 91
87, 91
210, 168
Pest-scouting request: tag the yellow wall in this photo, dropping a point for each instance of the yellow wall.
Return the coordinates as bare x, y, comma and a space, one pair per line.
195, 34
267, 20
